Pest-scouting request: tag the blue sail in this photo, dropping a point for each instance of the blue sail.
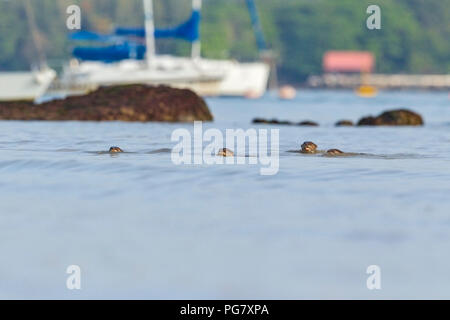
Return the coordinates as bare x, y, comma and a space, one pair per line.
260, 41
111, 53
188, 30
124, 47
93, 36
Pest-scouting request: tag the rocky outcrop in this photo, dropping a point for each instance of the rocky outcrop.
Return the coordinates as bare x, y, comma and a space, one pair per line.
286, 123
118, 103
272, 121
400, 117
308, 123
344, 123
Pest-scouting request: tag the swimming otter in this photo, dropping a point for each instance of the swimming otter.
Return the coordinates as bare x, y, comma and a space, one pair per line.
309, 147
115, 150
334, 152
225, 153
339, 153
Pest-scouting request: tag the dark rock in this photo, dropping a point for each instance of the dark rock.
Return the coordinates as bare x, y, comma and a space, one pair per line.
393, 118
260, 121
367, 121
273, 121
308, 123
286, 123
118, 103
344, 123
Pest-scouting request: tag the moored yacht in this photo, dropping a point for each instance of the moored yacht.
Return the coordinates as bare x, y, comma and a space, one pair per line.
130, 58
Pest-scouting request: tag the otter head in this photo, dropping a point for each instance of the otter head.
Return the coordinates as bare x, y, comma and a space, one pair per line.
309, 147
225, 153
115, 150
334, 152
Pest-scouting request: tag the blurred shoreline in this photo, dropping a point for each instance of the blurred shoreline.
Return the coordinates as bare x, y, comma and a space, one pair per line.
381, 81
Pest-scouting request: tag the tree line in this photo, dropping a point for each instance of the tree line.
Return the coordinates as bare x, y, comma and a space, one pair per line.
414, 37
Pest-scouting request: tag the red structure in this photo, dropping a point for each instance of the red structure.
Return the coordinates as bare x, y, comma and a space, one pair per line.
348, 61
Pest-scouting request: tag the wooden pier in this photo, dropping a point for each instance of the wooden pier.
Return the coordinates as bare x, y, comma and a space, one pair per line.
381, 81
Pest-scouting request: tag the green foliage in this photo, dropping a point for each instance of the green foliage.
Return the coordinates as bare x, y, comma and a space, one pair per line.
406, 43
414, 37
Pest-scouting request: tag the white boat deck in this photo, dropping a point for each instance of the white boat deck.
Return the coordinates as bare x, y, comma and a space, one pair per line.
24, 85
205, 77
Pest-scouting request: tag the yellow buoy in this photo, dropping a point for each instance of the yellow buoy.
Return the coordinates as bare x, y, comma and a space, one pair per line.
366, 91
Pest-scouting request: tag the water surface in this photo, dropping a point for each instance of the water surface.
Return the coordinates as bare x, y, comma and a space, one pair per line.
141, 227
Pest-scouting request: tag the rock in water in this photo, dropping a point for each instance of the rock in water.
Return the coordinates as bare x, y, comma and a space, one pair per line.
367, 121
116, 103
344, 123
400, 117
273, 121
308, 123
286, 123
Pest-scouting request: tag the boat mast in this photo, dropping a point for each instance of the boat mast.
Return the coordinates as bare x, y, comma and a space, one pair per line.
196, 45
35, 34
149, 31
265, 53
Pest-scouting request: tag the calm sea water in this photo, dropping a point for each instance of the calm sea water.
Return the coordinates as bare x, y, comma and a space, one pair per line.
141, 227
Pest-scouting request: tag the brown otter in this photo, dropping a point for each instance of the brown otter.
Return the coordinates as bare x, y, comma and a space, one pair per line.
339, 153
225, 153
309, 147
115, 150
334, 152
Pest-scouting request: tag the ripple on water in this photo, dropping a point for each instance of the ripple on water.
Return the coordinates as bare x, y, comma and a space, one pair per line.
318, 216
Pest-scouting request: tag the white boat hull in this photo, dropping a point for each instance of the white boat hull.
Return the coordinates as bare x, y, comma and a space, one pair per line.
27, 86
204, 76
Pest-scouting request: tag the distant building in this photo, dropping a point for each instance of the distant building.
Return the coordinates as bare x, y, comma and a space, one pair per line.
348, 61
353, 69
